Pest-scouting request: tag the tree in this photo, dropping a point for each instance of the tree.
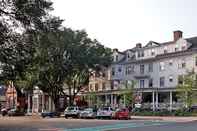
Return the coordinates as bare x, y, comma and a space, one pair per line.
187, 89
18, 19
127, 94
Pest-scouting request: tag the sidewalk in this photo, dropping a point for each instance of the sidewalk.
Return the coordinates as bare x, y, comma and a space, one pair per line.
165, 118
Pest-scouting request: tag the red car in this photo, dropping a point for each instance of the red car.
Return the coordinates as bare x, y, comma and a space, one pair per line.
122, 113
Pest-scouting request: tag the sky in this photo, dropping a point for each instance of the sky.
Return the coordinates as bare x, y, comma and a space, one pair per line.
123, 23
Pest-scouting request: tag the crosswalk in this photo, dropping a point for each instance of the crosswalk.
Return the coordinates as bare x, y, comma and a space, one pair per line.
120, 126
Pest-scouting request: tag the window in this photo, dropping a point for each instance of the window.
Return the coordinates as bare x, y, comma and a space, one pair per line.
165, 50
141, 83
150, 67
116, 58
182, 64
103, 86
119, 69
142, 69
128, 55
196, 60
90, 86
176, 49
150, 83
140, 54
180, 79
129, 69
183, 47
162, 81
170, 63
170, 78
161, 66
152, 52
113, 71
96, 87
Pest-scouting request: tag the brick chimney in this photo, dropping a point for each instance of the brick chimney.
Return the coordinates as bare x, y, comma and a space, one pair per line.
138, 45
177, 35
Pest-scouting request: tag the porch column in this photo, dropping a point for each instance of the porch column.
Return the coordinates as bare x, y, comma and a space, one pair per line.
115, 100
28, 104
50, 104
111, 100
153, 100
157, 100
124, 101
43, 102
170, 100
106, 100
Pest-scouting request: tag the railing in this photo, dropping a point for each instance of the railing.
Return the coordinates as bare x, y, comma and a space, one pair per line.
162, 106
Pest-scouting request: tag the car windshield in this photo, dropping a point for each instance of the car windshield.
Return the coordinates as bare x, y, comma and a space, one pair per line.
88, 109
70, 108
105, 108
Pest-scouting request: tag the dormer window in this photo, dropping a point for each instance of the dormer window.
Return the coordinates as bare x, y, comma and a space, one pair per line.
165, 50
152, 52
140, 54
176, 49
128, 55
183, 47
116, 58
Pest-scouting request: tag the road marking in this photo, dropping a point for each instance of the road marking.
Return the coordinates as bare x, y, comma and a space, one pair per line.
51, 129
118, 126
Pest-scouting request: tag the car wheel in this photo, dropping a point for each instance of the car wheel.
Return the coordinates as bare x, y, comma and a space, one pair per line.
66, 117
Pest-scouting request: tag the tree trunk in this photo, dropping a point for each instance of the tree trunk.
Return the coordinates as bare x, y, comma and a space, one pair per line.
56, 103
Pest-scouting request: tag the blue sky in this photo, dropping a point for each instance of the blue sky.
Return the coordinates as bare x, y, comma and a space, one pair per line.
123, 23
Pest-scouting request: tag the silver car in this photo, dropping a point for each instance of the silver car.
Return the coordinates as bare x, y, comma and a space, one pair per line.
88, 113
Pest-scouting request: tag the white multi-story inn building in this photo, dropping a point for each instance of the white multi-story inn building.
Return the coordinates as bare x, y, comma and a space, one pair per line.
155, 68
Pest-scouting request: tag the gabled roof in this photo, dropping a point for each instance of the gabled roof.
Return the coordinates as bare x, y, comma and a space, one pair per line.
151, 44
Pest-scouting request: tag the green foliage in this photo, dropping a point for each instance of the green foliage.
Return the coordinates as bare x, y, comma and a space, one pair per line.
127, 94
187, 91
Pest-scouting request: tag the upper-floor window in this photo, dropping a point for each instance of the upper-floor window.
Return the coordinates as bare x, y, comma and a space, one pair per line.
113, 71
119, 69
162, 66
183, 47
116, 58
170, 62
165, 50
140, 53
162, 81
182, 64
142, 69
180, 79
90, 87
129, 69
103, 86
141, 83
150, 82
152, 52
96, 87
176, 49
150, 67
170, 78
196, 60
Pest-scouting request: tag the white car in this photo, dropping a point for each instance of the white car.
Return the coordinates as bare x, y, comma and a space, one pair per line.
72, 111
105, 112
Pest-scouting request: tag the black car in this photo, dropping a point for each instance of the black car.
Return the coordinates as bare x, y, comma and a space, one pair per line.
15, 112
50, 114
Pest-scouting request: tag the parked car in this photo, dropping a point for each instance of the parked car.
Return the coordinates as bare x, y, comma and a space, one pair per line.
72, 111
105, 112
50, 114
15, 112
88, 113
4, 111
121, 113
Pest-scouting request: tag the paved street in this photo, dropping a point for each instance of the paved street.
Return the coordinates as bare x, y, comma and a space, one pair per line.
61, 124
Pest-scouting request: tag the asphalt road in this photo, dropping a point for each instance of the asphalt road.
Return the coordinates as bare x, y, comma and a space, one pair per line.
61, 124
